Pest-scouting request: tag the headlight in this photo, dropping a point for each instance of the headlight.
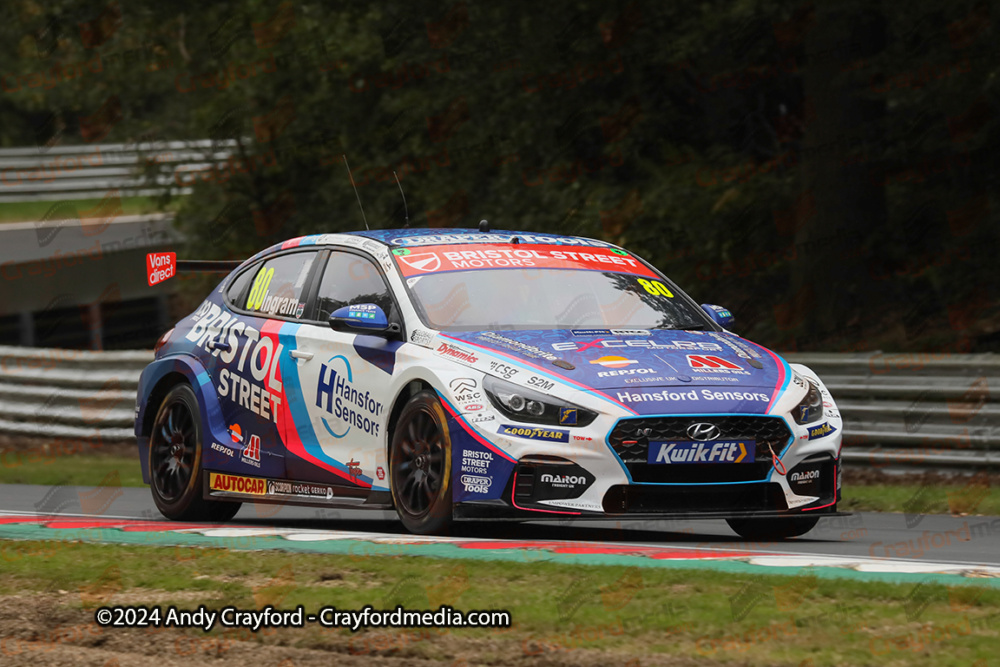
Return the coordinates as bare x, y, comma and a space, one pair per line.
810, 409
528, 405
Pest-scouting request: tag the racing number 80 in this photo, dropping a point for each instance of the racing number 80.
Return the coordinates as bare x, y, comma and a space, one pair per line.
655, 287
259, 289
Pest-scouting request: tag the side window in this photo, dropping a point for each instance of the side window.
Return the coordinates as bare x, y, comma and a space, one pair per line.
348, 280
277, 285
238, 286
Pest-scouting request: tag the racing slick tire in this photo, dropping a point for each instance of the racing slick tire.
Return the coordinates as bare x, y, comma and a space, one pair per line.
777, 528
175, 472
420, 466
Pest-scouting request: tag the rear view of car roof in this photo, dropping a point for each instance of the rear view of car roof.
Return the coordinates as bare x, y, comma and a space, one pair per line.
425, 236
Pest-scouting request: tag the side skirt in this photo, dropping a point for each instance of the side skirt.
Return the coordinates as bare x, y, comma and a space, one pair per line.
291, 492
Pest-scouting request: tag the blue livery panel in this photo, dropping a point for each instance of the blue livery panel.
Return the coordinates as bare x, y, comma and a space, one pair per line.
656, 371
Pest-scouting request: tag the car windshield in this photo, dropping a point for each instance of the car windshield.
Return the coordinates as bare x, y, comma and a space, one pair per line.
548, 298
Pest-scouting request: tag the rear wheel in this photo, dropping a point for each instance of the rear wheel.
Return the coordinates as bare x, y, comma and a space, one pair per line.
420, 466
175, 462
776, 528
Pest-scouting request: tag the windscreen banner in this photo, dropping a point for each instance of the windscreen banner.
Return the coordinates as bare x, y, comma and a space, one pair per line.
440, 259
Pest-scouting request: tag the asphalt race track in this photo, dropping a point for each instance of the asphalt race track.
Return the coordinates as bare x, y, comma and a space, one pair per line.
971, 540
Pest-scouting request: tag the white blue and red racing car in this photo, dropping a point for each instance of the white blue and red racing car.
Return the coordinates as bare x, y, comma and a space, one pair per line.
468, 375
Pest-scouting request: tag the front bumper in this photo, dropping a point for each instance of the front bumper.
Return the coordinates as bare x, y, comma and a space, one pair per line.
759, 464
531, 495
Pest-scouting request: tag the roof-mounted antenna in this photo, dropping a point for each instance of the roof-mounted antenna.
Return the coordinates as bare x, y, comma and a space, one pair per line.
484, 226
406, 211
356, 193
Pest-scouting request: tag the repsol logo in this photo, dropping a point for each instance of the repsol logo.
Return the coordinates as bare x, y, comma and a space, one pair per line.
566, 480
804, 476
225, 450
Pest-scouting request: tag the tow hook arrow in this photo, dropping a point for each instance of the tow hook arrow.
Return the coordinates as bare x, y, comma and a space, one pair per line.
779, 467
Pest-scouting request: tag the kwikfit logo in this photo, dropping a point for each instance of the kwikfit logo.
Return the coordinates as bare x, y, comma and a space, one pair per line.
701, 452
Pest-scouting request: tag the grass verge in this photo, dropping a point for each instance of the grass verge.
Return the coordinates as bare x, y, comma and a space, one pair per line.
971, 497
29, 211
35, 466
562, 614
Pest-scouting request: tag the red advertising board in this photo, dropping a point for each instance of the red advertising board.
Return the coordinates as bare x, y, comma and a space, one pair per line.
160, 266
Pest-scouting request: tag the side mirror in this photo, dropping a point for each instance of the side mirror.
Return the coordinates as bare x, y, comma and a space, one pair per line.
719, 315
362, 318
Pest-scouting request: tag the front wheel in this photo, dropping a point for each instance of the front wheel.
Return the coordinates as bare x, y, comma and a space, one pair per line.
776, 528
175, 462
420, 466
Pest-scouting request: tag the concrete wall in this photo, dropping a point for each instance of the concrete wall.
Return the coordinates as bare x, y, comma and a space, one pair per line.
62, 282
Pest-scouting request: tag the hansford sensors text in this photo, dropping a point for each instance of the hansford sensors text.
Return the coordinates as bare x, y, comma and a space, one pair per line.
692, 395
269, 617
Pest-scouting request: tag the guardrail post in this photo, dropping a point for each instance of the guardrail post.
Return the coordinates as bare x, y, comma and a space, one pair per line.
26, 328
94, 325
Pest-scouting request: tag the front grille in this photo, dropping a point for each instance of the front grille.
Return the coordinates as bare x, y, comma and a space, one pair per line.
630, 439
625, 499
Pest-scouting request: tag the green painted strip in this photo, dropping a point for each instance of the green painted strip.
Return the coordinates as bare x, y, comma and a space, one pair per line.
364, 549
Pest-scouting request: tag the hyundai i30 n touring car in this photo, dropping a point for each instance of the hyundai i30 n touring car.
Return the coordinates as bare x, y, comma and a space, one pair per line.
468, 375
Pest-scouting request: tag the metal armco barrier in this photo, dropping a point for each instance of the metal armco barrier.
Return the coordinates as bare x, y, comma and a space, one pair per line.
69, 394
90, 171
928, 411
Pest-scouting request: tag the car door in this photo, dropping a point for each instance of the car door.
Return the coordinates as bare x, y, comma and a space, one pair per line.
341, 381
249, 359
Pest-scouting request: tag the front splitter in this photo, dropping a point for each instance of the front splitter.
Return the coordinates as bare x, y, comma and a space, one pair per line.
501, 511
